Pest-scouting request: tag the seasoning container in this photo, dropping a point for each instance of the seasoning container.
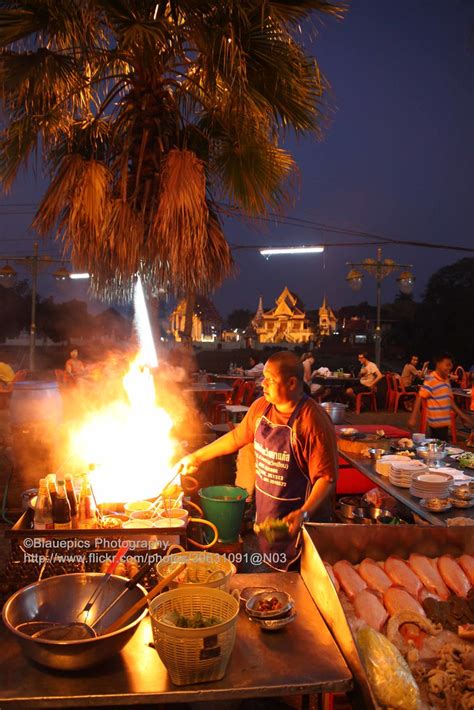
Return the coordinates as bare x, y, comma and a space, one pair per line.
43, 519
62, 509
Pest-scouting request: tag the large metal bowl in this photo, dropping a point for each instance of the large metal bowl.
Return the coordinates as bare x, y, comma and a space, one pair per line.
336, 411
62, 599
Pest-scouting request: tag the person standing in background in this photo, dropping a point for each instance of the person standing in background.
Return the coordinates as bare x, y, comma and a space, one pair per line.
437, 393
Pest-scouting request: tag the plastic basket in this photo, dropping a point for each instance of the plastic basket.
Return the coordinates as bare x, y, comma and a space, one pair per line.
195, 655
205, 569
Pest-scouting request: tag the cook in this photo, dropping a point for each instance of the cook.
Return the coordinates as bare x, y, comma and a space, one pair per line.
295, 455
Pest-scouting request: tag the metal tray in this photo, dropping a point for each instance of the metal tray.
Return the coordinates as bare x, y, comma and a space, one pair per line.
331, 543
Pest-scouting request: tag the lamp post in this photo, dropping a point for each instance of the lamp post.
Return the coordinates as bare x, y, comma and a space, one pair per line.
380, 270
33, 263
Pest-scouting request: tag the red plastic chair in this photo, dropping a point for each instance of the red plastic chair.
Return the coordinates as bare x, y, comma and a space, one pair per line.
424, 417
368, 395
390, 390
399, 392
248, 392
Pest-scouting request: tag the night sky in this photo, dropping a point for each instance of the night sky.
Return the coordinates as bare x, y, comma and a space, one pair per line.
397, 159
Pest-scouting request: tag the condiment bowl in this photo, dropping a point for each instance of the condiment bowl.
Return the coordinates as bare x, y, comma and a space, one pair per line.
284, 600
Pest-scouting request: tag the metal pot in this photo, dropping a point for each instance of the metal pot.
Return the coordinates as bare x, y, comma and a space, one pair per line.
376, 513
336, 411
353, 507
62, 599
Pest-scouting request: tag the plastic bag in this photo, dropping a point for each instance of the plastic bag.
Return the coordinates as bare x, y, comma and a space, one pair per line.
388, 673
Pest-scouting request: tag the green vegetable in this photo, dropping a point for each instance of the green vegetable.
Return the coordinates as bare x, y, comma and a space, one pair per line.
273, 529
466, 460
388, 672
196, 621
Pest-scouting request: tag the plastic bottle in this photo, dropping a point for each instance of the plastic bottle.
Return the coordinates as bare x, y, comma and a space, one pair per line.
87, 517
43, 519
62, 509
71, 496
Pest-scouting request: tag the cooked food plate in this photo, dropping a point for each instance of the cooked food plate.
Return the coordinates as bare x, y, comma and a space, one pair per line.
436, 505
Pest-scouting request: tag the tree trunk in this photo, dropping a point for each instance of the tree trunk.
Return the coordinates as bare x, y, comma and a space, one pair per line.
188, 320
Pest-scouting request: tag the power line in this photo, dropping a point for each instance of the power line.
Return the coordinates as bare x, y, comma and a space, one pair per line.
312, 226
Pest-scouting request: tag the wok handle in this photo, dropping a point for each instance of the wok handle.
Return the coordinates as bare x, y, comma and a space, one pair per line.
143, 602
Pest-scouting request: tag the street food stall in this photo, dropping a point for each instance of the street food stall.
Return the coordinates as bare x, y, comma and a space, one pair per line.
82, 635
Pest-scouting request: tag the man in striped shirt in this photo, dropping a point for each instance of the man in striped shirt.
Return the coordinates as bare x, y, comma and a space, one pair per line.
436, 392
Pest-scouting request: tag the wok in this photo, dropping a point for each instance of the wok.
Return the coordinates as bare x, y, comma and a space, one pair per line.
61, 599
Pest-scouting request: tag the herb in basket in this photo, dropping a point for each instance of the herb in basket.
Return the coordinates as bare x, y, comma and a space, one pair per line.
196, 621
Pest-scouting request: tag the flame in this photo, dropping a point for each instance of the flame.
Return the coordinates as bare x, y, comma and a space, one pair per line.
129, 440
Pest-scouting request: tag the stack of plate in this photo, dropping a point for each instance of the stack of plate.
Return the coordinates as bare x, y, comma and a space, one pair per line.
431, 484
401, 472
383, 465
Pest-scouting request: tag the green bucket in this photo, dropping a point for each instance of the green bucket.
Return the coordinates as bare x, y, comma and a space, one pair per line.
224, 506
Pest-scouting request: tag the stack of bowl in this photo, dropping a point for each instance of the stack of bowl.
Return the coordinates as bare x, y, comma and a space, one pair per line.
271, 610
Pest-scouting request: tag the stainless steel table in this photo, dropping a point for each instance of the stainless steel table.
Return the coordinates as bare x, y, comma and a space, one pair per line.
365, 466
301, 659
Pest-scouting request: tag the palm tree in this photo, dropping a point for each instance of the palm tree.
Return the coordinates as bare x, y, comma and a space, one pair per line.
148, 115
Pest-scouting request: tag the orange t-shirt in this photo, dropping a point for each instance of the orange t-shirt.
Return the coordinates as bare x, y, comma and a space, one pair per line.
313, 436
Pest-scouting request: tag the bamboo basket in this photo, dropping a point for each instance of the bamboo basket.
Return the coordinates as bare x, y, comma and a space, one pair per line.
195, 655
205, 569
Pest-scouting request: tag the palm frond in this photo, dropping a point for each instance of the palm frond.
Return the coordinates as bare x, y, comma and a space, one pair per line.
17, 23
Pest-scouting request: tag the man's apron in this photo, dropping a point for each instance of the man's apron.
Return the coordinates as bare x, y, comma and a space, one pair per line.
281, 486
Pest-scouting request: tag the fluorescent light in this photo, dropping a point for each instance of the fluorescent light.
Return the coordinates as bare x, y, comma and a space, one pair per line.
271, 251
80, 276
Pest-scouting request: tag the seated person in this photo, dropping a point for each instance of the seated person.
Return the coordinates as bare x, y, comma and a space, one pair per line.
410, 373
369, 375
255, 370
308, 361
74, 367
6, 375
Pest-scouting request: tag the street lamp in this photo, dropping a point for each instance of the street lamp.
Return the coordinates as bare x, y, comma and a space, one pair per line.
380, 270
33, 263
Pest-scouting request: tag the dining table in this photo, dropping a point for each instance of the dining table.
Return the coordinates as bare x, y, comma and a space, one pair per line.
302, 659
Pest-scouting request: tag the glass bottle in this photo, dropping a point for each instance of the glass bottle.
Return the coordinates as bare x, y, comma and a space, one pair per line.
71, 496
43, 519
51, 481
62, 509
87, 508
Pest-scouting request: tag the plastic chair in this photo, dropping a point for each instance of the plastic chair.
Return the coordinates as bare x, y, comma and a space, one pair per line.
372, 400
218, 406
399, 392
390, 390
248, 392
424, 417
